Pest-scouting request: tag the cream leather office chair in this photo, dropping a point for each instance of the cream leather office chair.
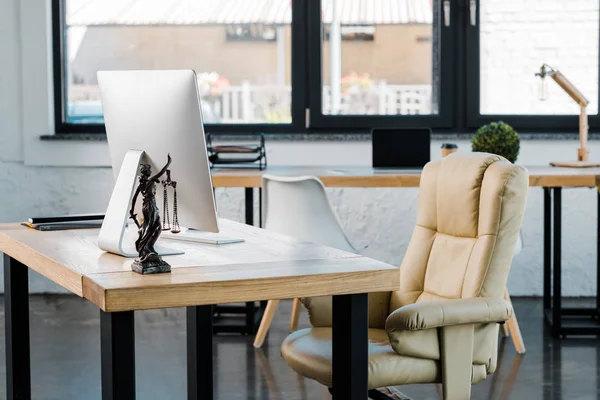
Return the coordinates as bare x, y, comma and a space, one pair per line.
299, 207
441, 326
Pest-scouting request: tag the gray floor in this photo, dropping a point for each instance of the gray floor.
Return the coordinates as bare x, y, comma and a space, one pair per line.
66, 352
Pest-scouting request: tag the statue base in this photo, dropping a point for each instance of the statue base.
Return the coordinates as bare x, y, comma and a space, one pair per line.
155, 265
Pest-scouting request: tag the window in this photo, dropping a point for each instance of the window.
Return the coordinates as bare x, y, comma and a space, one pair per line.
244, 54
335, 65
378, 77
517, 37
395, 78
241, 53
511, 40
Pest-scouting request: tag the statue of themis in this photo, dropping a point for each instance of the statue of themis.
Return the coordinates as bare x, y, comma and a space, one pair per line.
149, 262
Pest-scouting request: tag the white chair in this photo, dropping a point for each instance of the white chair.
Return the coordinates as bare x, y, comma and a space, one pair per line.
298, 206
511, 327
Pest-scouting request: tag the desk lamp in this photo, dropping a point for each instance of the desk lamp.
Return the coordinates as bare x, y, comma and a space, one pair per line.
582, 153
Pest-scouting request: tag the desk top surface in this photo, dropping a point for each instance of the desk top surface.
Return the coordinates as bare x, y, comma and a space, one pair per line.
266, 266
333, 176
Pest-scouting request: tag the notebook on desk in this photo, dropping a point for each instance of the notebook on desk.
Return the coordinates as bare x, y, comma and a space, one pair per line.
66, 218
63, 226
405, 149
65, 222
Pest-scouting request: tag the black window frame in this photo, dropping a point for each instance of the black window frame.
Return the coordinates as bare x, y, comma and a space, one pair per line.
531, 123
458, 91
442, 120
298, 74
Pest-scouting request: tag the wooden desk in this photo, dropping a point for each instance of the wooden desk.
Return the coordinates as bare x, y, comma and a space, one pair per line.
542, 176
551, 179
265, 266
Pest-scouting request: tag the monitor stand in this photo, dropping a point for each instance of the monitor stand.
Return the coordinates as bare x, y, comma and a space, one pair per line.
112, 232
192, 235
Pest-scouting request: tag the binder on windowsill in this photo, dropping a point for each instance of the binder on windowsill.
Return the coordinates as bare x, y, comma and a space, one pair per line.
236, 150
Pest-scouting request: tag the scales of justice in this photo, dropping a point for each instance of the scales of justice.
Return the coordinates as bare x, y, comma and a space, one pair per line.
123, 207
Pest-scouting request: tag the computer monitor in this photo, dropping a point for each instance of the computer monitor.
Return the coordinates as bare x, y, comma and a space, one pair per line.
158, 112
404, 148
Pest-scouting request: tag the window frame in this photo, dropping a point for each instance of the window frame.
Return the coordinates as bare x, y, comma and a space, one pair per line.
531, 123
447, 58
298, 74
459, 83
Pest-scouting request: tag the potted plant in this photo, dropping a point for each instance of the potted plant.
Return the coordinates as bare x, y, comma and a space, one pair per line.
497, 138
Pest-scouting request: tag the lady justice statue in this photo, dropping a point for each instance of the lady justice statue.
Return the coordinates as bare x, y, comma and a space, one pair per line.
149, 262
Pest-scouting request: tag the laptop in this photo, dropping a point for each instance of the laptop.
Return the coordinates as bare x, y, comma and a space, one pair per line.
400, 148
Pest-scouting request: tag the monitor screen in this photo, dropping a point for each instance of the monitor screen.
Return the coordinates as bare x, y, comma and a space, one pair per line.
401, 148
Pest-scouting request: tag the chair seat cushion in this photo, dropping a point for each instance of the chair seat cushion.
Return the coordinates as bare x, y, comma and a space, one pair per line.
308, 352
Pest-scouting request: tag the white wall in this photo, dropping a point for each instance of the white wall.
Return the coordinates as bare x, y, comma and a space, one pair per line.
378, 221
518, 36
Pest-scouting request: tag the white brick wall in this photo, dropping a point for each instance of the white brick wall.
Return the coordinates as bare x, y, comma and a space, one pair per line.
518, 36
379, 222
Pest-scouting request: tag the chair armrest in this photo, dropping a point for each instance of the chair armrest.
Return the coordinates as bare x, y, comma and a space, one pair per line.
436, 314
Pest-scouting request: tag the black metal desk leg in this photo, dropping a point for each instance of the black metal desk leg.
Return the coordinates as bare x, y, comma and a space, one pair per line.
260, 210
16, 314
199, 352
350, 347
556, 269
249, 197
547, 247
250, 318
117, 339
249, 205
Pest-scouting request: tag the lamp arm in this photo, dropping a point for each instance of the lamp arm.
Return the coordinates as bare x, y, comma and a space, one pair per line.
575, 94
568, 87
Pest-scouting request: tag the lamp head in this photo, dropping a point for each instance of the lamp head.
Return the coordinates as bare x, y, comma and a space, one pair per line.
563, 82
542, 83
545, 69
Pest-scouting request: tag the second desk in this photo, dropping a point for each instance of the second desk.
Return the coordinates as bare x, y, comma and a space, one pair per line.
563, 321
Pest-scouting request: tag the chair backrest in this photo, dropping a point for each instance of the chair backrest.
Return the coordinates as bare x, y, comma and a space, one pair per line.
298, 206
470, 211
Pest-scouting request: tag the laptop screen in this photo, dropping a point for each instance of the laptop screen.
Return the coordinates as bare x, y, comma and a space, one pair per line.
401, 148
